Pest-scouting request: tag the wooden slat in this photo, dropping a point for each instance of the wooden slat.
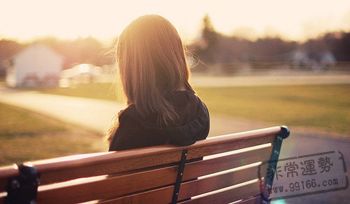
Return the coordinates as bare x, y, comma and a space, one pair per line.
210, 166
228, 195
112, 167
159, 196
5, 173
103, 189
2, 199
61, 169
197, 187
141, 181
191, 188
252, 200
203, 149
77, 166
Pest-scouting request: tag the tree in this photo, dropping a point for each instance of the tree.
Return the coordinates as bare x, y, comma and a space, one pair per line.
210, 38
8, 48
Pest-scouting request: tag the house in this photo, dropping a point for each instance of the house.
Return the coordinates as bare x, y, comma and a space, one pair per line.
35, 66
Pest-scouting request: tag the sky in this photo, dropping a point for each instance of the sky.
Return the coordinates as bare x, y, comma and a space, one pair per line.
25, 20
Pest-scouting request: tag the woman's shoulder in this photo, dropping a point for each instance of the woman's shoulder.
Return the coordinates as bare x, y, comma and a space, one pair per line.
127, 113
186, 98
181, 97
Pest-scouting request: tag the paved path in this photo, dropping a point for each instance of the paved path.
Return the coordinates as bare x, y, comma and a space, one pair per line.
97, 114
90, 113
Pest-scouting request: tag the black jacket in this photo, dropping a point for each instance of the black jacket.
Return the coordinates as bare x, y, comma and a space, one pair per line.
135, 131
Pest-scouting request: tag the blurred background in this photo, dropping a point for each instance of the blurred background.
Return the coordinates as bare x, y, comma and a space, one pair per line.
254, 63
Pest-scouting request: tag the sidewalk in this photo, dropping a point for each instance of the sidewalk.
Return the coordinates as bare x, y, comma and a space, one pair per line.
92, 114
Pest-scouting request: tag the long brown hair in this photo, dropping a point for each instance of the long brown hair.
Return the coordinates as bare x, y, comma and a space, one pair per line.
152, 63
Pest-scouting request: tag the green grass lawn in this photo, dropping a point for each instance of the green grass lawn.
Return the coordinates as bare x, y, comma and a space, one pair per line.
324, 107
26, 135
106, 91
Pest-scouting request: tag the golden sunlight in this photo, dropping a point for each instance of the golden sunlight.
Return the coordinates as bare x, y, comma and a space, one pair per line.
297, 19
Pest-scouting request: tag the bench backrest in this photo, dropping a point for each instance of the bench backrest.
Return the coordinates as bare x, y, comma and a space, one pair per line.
221, 169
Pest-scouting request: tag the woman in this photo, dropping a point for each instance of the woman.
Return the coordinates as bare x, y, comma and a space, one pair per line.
162, 106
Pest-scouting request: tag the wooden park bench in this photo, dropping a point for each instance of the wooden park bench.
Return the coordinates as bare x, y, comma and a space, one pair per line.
220, 169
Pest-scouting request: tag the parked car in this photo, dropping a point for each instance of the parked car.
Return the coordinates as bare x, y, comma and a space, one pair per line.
80, 74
